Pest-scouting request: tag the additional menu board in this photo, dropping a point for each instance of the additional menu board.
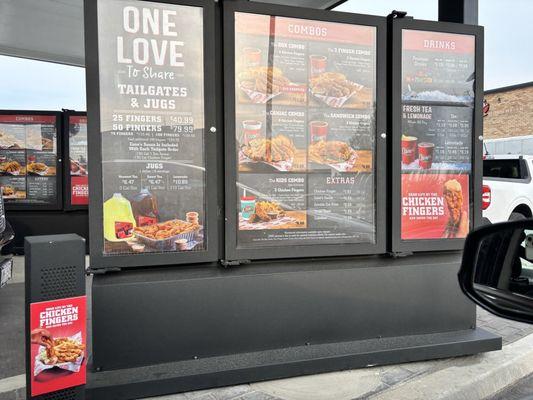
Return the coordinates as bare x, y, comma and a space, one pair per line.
152, 126
79, 180
28, 159
438, 74
305, 131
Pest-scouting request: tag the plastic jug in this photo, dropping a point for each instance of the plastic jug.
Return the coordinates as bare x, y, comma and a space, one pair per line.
118, 219
144, 206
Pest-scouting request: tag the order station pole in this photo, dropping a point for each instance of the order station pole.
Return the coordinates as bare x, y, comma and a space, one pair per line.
56, 334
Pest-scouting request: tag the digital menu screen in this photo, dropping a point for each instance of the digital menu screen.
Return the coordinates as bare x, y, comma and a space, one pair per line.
28, 159
152, 126
305, 131
438, 75
79, 179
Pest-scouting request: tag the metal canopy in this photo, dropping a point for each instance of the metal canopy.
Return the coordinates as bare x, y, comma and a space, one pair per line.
52, 30
48, 30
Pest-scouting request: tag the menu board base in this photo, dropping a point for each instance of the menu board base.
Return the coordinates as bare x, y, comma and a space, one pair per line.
289, 363
276, 336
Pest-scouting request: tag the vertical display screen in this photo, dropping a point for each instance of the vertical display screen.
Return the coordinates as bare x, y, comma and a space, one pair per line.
305, 101
28, 159
152, 126
79, 179
438, 76
58, 352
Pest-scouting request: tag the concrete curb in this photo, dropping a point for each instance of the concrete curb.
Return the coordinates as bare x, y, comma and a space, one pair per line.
469, 378
12, 387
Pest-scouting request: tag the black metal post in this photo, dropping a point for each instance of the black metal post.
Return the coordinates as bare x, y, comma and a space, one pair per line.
460, 11
55, 309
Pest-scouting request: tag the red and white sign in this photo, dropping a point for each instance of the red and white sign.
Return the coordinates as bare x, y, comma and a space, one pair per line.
30, 119
79, 181
438, 42
435, 206
78, 119
58, 339
304, 29
79, 190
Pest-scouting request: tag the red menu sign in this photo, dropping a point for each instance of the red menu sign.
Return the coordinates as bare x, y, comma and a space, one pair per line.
435, 206
79, 180
58, 339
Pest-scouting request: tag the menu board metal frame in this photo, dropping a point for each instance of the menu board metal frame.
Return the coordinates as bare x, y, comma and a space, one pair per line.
58, 204
212, 181
476, 173
233, 252
68, 206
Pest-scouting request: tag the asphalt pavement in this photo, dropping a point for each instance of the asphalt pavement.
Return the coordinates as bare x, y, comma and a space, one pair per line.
12, 326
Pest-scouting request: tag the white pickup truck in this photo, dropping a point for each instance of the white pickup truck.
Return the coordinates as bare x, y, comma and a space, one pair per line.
507, 187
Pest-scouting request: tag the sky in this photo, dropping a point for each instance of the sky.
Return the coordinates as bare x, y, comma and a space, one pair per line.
508, 33
35, 85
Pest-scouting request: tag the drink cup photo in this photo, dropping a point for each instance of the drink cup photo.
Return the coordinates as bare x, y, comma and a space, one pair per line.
425, 155
319, 130
247, 206
251, 130
252, 56
409, 149
318, 64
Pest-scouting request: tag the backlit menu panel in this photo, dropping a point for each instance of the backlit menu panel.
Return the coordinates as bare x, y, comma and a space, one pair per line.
305, 101
152, 127
438, 76
28, 159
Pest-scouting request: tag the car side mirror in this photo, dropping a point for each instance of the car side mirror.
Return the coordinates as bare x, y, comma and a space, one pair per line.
497, 269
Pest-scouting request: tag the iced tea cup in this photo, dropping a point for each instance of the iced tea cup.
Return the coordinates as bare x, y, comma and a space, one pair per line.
251, 130
318, 64
425, 155
408, 149
319, 130
252, 56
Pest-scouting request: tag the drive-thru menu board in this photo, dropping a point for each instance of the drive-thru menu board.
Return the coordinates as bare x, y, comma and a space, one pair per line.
152, 126
305, 116
77, 145
436, 144
28, 159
